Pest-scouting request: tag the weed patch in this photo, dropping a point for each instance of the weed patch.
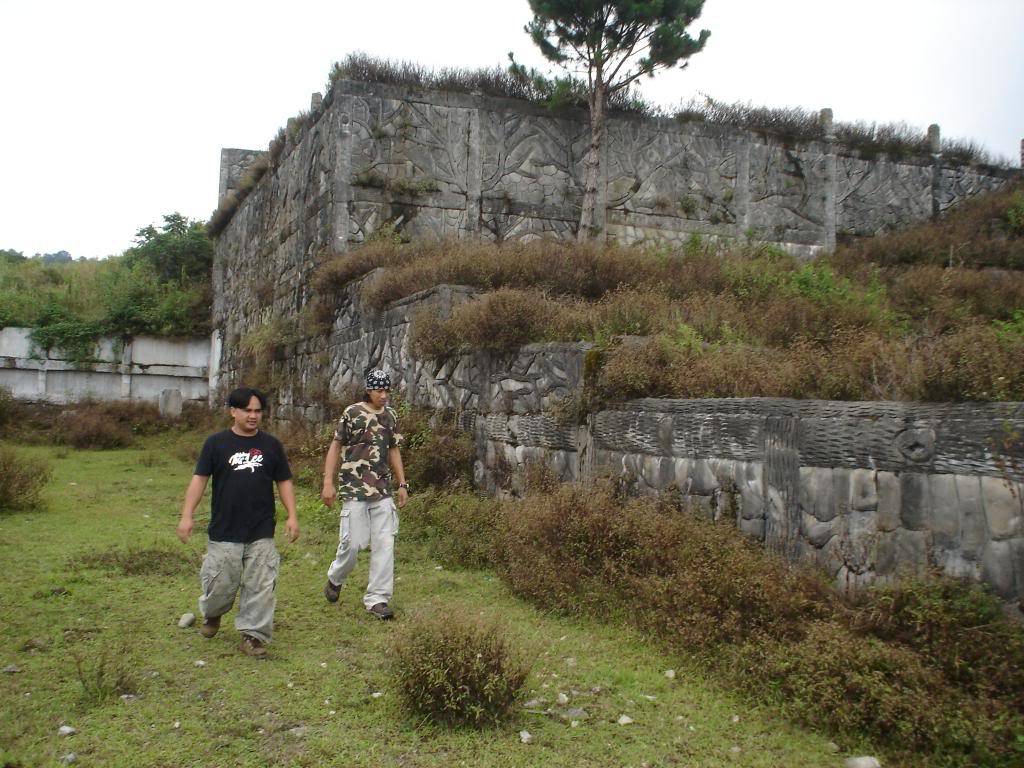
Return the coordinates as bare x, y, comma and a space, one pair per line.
152, 561
22, 479
103, 676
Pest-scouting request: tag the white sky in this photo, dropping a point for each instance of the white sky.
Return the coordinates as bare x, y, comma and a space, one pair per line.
114, 113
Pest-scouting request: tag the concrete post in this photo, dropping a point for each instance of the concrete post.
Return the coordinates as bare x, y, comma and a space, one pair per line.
742, 195
1022, 153
213, 369
935, 146
829, 179
316, 101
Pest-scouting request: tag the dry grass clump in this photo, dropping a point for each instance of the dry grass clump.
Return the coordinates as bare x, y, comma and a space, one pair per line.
105, 425
454, 671
137, 561
22, 479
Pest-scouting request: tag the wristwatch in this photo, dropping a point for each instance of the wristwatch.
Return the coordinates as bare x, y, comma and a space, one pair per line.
404, 485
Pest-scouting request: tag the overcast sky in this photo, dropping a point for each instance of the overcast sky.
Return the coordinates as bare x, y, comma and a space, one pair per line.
114, 113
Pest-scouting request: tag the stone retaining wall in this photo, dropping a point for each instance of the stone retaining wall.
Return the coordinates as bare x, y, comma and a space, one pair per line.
866, 489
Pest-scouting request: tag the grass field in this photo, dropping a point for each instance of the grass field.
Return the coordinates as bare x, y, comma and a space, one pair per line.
325, 695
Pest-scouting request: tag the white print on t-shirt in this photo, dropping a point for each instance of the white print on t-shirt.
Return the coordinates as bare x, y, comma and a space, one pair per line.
247, 460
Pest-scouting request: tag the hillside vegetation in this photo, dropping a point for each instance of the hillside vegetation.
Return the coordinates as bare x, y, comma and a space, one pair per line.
160, 287
934, 313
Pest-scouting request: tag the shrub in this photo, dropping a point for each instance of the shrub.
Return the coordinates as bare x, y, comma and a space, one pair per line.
105, 425
958, 627
137, 561
437, 453
699, 583
8, 406
453, 671
860, 686
22, 479
460, 529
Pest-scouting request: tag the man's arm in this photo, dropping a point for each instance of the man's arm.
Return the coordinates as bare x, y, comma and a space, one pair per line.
193, 495
329, 494
286, 490
398, 470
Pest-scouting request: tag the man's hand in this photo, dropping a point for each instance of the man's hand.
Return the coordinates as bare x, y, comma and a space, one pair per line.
292, 524
403, 496
184, 529
328, 494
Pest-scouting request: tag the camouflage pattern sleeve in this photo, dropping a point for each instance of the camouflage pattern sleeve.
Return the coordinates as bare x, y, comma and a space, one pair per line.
343, 432
396, 439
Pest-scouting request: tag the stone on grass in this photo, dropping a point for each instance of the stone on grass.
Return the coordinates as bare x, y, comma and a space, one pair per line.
128, 698
525, 737
200, 663
670, 674
624, 720
69, 758
298, 731
862, 762
12, 669
563, 699
186, 620
534, 704
66, 730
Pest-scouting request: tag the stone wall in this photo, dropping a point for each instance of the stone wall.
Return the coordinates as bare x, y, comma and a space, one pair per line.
142, 368
866, 489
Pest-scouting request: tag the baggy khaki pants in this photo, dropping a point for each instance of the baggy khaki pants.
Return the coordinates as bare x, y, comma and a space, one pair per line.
252, 567
372, 524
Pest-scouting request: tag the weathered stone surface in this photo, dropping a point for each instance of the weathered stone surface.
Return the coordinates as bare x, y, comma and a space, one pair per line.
816, 492
889, 504
973, 528
1002, 508
997, 567
946, 511
863, 490
915, 501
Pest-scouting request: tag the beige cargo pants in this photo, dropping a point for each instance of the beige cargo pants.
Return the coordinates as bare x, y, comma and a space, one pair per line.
252, 568
372, 524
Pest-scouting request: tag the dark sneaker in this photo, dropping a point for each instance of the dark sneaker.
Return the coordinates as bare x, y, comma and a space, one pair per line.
209, 626
253, 646
331, 591
382, 612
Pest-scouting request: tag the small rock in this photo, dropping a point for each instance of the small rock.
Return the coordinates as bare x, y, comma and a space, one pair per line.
862, 762
650, 698
298, 731
128, 698
596, 689
200, 663
291, 685
186, 620
574, 723
571, 661
525, 737
323, 664
735, 718
670, 674
624, 720
12, 669
562, 699
441, 568
69, 758
832, 747
377, 694
577, 714
735, 750
66, 730
534, 704
332, 712
177, 724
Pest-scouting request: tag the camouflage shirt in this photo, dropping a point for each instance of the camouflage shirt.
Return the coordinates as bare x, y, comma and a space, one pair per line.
365, 439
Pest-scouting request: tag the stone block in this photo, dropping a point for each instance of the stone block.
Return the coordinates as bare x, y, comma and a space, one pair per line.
1002, 508
888, 487
973, 529
818, 534
816, 492
885, 554
863, 490
997, 568
702, 479
170, 403
945, 518
751, 485
753, 528
915, 501
911, 551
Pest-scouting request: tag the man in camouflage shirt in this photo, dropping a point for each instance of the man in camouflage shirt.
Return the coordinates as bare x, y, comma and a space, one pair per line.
367, 444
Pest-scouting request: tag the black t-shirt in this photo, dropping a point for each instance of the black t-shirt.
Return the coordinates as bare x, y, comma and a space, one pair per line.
244, 471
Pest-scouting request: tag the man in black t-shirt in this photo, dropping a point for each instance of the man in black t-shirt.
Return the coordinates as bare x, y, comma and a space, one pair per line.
240, 554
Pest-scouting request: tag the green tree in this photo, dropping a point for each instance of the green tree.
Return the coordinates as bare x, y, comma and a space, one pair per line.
11, 256
179, 251
615, 43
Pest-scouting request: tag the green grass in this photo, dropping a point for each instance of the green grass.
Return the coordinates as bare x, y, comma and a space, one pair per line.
326, 662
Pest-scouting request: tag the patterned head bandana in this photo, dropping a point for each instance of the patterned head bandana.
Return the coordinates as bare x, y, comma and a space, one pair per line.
377, 379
